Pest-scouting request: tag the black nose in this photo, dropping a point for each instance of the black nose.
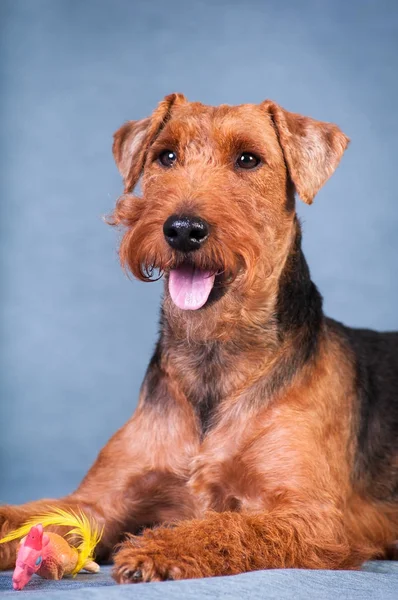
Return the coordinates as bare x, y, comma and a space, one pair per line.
185, 233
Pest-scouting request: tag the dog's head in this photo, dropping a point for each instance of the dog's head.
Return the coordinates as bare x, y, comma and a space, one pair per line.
217, 208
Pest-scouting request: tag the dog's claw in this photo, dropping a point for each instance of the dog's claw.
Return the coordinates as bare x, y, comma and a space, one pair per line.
136, 576
130, 575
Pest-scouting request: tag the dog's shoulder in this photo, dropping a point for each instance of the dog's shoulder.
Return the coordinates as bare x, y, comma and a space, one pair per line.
375, 356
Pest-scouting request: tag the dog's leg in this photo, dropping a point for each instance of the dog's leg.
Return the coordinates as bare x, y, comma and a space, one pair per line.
139, 478
231, 543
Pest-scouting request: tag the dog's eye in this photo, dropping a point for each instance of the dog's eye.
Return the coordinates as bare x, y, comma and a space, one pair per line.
167, 158
247, 160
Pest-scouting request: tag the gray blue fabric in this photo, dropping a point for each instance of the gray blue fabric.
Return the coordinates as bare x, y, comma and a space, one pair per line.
378, 580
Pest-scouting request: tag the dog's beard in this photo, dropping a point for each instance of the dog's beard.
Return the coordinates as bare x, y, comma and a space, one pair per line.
232, 259
198, 279
192, 280
190, 286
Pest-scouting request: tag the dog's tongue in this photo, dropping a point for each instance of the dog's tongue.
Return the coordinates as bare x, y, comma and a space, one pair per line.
190, 287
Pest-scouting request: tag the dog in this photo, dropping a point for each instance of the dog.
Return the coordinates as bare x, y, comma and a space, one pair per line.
266, 433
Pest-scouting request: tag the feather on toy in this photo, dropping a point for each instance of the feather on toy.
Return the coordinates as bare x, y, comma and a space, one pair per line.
49, 554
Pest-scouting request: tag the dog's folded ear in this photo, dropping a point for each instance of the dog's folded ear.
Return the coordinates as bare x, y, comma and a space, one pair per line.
312, 149
132, 140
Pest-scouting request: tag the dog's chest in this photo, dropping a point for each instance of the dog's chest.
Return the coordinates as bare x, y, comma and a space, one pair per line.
208, 374
249, 463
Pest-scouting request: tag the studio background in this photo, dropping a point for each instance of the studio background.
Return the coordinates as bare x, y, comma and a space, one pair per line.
76, 334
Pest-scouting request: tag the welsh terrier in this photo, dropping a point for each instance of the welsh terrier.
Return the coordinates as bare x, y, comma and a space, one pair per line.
266, 435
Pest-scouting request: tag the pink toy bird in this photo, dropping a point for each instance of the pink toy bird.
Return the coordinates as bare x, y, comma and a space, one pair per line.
49, 554
30, 556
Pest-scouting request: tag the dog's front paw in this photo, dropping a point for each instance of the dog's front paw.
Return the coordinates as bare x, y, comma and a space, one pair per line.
191, 549
158, 555
138, 561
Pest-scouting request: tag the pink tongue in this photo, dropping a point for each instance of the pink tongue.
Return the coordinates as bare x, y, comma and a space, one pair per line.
190, 287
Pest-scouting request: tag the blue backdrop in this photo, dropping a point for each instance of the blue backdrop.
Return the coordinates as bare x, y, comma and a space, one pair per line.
76, 333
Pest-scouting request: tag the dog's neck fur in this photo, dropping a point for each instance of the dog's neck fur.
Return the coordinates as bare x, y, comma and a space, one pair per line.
278, 346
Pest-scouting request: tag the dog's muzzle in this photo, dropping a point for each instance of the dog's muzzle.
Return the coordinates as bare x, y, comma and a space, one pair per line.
189, 286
